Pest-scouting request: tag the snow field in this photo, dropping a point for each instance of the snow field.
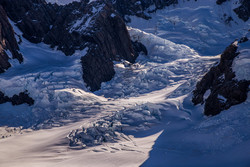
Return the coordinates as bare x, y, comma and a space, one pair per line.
144, 115
241, 64
197, 24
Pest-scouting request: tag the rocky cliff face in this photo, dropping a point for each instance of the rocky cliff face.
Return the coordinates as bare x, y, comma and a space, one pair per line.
111, 43
138, 7
225, 90
96, 26
33, 17
7, 42
243, 11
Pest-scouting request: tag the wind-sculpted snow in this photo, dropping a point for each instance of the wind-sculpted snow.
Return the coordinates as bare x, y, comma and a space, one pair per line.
201, 25
215, 141
166, 78
111, 128
50, 77
166, 64
143, 116
61, 2
241, 66
163, 69
99, 132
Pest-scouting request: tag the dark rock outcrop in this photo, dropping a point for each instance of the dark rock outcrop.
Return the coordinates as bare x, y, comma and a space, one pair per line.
42, 22
243, 39
33, 17
139, 47
3, 98
96, 69
95, 25
225, 90
19, 99
219, 2
243, 11
7, 42
75, 37
111, 43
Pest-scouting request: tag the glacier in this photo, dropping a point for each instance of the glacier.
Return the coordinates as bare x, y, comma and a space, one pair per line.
150, 99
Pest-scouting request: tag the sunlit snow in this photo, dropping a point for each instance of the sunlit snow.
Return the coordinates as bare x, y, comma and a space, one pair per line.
150, 100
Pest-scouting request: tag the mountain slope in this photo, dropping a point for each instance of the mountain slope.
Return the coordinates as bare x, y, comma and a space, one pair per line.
8, 43
144, 114
94, 26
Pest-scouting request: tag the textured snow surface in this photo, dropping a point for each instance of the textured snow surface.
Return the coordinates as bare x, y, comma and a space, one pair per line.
144, 115
197, 24
241, 65
64, 2
61, 2
51, 78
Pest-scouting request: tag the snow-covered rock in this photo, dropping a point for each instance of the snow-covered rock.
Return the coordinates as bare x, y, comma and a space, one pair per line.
8, 44
144, 115
226, 89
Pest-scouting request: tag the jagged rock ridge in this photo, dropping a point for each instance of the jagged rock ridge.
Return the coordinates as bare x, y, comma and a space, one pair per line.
94, 25
111, 42
7, 42
225, 90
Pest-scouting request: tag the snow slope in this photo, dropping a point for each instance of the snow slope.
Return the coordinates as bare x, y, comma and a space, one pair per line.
65, 2
61, 2
151, 101
241, 65
198, 24
50, 77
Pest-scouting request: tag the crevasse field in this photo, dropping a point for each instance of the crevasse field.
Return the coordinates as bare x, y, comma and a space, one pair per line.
150, 100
